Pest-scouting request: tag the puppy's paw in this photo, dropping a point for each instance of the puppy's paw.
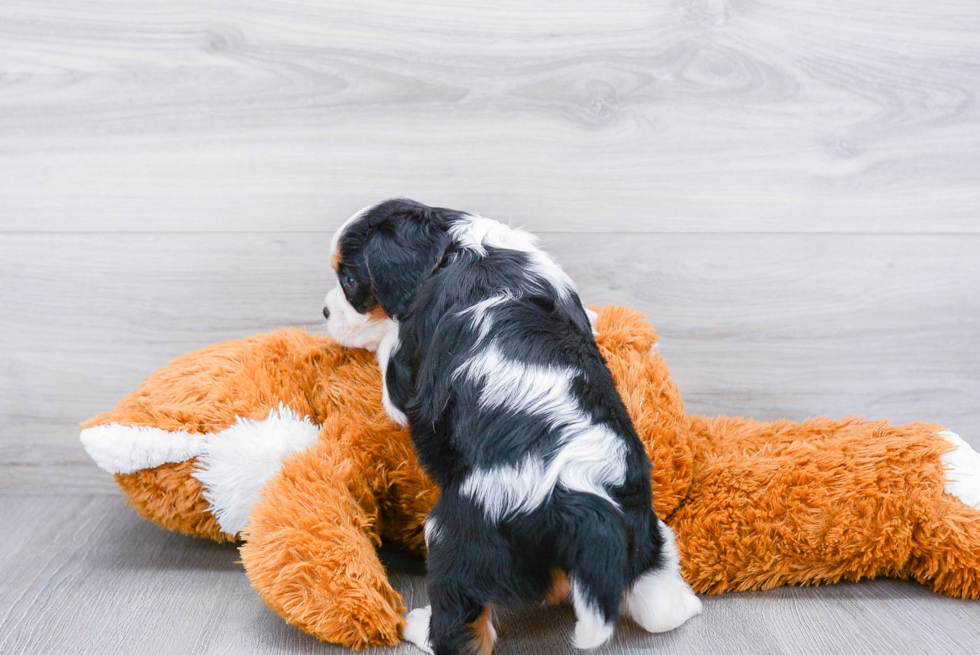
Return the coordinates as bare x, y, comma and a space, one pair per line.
417, 629
661, 601
592, 629
591, 634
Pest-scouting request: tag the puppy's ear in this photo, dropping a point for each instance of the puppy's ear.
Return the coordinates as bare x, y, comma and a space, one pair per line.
399, 258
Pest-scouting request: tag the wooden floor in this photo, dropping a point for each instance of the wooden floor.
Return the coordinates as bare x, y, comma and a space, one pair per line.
790, 191
83, 574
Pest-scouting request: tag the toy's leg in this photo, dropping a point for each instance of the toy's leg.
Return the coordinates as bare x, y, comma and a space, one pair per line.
408, 493
822, 501
948, 561
310, 549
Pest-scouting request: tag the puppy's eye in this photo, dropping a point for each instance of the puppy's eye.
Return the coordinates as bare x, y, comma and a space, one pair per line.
348, 281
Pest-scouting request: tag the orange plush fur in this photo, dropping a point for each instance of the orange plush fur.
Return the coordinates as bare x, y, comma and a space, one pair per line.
753, 505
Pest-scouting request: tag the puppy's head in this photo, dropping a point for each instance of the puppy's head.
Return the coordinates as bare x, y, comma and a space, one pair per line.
381, 255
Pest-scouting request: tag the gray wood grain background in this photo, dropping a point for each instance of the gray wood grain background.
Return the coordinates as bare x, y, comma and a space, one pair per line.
790, 191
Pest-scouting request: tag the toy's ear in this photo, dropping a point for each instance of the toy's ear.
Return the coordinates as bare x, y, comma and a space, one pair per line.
399, 258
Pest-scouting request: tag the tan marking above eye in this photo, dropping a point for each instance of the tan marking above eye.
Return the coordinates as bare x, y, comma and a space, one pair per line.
335, 259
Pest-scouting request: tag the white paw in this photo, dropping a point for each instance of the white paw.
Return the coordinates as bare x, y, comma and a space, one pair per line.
661, 601
962, 470
417, 630
591, 634
591, 628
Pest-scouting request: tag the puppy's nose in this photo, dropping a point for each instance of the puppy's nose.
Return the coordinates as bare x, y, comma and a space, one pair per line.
326, 313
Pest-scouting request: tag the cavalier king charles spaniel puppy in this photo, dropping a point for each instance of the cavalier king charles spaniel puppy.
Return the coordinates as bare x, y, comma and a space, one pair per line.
489, 357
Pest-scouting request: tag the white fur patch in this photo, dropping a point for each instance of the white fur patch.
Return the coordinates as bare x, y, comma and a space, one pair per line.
350, 329
416, 630
388, 346
433, 531
660, 600
589, 457
962, 470
591, 627
238, 462
586, 462
481, 320
545, 267
477, 232
520, 387
118, 448
356, 216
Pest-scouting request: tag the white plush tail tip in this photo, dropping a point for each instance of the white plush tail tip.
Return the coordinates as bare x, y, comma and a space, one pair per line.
118, 448
962, 470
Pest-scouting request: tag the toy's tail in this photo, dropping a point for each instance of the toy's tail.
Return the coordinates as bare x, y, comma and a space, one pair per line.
822, 501
228, 467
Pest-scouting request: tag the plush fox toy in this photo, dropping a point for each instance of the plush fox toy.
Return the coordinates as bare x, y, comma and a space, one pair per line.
280, 441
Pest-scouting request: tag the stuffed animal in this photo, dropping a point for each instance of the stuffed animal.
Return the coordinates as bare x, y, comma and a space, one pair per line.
280, 441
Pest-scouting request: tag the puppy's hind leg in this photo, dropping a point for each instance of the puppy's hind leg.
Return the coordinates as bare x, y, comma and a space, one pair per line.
452, 624
659, 600
459, 623
594, 558
463, 555
594, 624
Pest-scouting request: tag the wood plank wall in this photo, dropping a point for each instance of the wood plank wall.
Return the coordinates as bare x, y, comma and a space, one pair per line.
790, 191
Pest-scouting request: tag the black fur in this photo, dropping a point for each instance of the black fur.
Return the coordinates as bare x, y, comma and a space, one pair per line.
402, 252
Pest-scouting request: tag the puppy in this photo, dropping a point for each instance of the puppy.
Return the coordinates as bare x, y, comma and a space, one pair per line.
488, 356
